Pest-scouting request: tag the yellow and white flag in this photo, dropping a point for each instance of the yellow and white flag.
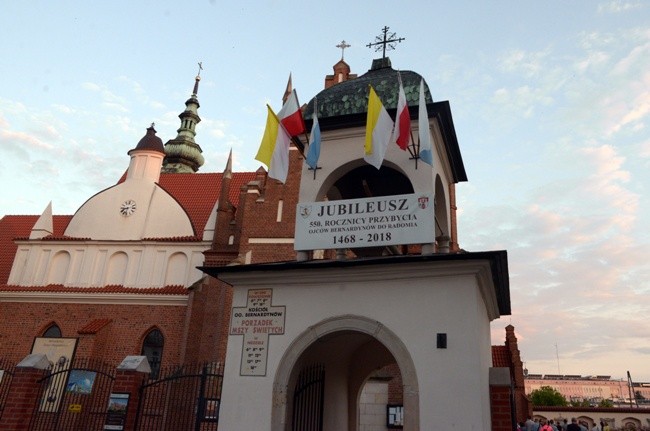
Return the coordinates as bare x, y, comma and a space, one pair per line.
274, 149
379, 129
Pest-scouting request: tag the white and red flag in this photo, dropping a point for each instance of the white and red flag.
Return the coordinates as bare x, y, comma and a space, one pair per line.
291, 116
402, 132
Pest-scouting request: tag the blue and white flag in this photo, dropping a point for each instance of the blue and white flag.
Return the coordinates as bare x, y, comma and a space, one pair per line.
423, 129
313, 153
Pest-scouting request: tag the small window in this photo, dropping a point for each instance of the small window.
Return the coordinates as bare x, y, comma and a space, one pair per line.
152, 348
52, 332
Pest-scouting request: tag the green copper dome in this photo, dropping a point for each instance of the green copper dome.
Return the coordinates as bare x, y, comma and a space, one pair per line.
351, 97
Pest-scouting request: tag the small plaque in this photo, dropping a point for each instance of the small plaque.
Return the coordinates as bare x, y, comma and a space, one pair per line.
74, 408
135, 363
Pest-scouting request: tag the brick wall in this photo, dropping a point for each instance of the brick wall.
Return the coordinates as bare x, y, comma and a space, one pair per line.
19, 407
501, 408
22, 322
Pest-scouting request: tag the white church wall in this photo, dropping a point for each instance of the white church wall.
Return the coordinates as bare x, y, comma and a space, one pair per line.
372, 406
156, 214
99, 263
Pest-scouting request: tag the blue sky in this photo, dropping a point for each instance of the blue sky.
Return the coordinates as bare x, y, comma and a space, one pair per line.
551, 103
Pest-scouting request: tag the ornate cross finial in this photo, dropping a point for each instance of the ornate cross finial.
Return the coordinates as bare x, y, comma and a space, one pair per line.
200, 68
387, 40
343, 45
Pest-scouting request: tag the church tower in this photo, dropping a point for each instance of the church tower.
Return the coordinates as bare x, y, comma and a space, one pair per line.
377, 284
183, 154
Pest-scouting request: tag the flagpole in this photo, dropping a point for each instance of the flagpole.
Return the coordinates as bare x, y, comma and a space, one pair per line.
295, 139
415, 152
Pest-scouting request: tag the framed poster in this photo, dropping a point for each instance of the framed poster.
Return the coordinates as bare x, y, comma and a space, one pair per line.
118, 404
59, 352
395, 416
81, 382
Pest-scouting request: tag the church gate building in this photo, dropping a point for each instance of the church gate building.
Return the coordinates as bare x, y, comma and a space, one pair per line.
300, 297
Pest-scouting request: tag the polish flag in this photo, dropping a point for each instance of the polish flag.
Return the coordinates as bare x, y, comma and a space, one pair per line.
402, 131
291, 116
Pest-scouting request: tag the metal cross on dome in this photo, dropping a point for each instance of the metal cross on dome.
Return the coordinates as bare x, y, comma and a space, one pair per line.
386, 40
343, 45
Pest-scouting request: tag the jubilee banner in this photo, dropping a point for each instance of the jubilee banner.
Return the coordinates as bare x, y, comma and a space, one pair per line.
369, 222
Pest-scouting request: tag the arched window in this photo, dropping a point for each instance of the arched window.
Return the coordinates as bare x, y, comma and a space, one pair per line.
152, 348
53, 331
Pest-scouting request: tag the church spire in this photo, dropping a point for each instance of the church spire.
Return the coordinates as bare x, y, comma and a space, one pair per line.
183, 154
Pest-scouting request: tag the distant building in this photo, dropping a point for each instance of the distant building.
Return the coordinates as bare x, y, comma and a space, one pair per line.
593, 389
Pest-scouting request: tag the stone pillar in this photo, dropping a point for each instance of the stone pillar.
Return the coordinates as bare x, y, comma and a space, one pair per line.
302, 256
128, 379
23, 393
443, 244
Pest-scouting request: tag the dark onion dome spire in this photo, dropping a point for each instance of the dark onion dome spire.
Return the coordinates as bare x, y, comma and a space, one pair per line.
183, 154
351, 96
150, 141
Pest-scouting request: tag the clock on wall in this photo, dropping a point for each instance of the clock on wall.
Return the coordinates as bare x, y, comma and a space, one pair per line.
127, 208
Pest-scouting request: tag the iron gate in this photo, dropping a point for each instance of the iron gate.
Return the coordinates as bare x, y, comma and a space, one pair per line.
183, 398
73, 397
6, 373
308, 399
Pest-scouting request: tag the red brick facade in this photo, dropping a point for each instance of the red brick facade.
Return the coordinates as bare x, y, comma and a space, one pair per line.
121, 337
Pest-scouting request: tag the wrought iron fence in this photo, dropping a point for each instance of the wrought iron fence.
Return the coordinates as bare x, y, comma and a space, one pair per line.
6, 374
181, 398
73, 396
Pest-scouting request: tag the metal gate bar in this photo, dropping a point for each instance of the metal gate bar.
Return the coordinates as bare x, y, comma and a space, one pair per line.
182, 398
6, 374
308, 399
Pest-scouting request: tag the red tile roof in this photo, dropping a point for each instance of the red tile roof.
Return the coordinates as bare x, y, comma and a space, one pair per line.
501, 357
57, 288
20, 226
198, 193
94, 326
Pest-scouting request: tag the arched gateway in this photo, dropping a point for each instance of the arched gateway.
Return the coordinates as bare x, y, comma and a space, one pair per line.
366, 346
378, 280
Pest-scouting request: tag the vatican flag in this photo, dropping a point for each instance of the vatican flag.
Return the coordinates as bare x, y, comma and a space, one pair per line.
379, 129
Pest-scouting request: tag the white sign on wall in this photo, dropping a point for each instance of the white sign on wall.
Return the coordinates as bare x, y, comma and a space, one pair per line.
369, 222
256, 321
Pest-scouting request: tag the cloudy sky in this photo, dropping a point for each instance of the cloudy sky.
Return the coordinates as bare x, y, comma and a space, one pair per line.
551, 103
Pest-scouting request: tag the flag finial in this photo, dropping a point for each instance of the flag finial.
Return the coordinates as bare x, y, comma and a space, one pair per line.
386, 41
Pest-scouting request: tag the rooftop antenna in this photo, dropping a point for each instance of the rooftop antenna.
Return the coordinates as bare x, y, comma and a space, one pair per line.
557, 356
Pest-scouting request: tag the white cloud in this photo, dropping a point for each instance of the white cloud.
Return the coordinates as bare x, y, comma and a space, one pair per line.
528, 63
24, 139
64, 109
618, 6
521, 101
